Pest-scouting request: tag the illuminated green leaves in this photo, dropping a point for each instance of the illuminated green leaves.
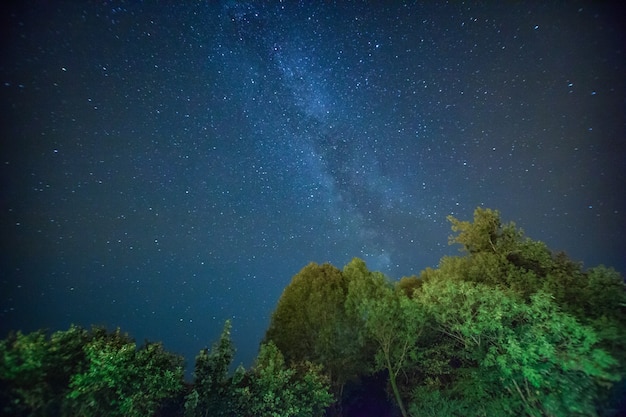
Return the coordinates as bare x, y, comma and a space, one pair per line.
541, 354
312, 323
86, 373
123, 380
277, 390
212, 393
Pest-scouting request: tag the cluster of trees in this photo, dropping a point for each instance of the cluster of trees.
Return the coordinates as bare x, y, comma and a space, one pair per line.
84, 373
272, 388
508, 328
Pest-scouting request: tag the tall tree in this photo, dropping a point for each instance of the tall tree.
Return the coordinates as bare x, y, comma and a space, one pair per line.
120, 380
310, 323
23, 365
274, 389
549, 364
81, 373
213, 391
501, 255
389, 318
484, 234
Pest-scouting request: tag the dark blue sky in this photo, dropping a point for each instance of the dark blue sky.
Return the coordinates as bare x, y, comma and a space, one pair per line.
166, 167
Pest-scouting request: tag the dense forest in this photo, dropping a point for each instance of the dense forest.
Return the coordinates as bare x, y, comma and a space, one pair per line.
506, 328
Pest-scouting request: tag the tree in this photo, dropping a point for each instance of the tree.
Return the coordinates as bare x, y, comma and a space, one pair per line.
396, 323
85, 373
35, 370
501, 255
273, 389
485, 234
270, 389
548, 363
213, 391
389, 318
409, 285
120, 380
310, 323
306, 312
67, 357
604, 294
23, 362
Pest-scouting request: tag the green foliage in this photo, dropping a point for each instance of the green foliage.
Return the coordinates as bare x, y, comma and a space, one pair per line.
363, 285
389, 318
541, 356
396, 323
485, 234
213, 391
604, 294
36, 370
22, 372
510, 328
303, 322
271, 388
275, 390
409, 285
473, 394
121, 380
351, 321
81, 373
529, 330
310, 322
502, 256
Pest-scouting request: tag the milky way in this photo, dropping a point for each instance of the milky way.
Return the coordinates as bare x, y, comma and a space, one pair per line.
165, 168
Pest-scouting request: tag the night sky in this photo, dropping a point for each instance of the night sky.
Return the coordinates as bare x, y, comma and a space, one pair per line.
166, 167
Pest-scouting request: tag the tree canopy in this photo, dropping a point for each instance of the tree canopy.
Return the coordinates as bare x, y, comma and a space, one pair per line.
85, 373
311, 322
509, 327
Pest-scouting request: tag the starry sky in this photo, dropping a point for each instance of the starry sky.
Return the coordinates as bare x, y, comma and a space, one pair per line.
169, 165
